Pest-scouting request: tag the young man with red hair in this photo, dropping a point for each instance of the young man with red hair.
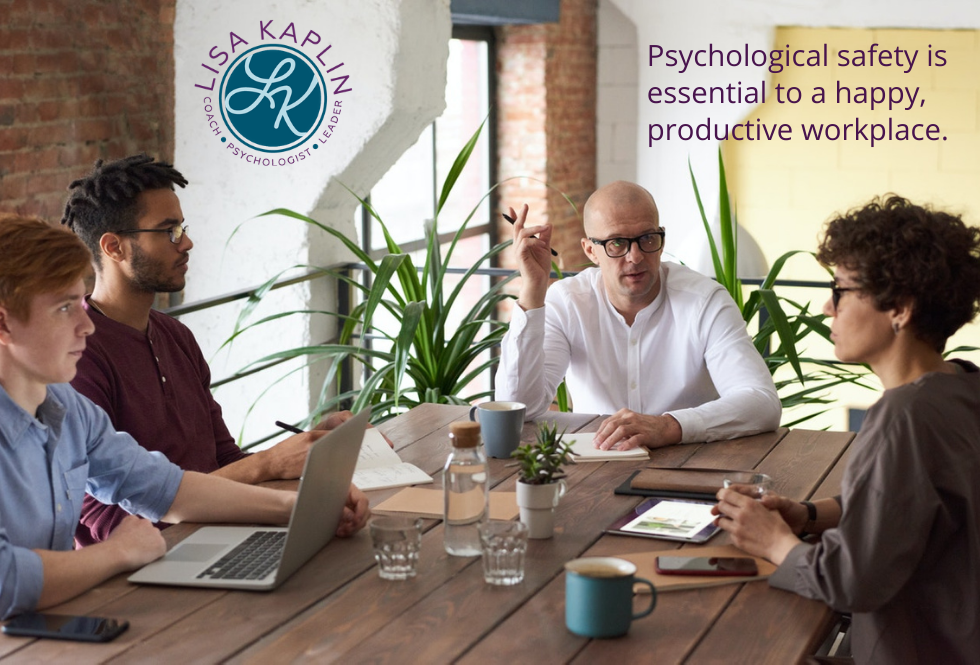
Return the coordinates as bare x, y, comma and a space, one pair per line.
56, 445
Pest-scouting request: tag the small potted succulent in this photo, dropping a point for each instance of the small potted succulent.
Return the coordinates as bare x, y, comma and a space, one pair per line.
540, 484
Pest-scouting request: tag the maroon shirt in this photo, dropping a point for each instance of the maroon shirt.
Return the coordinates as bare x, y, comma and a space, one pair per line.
155, 386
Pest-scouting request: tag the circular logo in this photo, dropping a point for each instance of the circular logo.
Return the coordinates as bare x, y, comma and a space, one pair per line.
273, 98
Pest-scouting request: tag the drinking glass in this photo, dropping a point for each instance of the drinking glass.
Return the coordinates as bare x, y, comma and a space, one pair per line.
504, 546
396, 541
752, 484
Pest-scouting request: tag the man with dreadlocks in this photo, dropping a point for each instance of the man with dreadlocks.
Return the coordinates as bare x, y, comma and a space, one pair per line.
143, 367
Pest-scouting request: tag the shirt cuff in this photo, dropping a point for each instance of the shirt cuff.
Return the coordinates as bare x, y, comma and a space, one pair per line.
30, 581
692, 425
155, 506
785, 576
521, 319
174, 477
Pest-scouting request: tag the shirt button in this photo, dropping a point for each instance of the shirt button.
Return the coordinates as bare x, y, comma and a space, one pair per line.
59, 507
155, 358
632, 342
633, 385
163, 378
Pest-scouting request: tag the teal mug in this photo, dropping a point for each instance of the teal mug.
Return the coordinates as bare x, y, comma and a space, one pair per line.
599, 596
501, 424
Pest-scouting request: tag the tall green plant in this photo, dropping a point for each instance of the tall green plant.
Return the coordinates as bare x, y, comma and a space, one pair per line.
427, 360
784, 325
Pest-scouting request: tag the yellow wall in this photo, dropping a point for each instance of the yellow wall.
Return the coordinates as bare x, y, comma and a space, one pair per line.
784, 191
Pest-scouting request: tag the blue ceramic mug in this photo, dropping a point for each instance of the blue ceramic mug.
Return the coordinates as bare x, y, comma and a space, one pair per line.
599, 596
501, 424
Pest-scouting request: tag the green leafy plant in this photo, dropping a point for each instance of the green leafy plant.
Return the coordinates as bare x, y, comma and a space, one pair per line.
784, 325
541, 462
420, 357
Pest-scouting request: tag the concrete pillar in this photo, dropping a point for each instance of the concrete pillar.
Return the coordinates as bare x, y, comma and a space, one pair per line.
394, 54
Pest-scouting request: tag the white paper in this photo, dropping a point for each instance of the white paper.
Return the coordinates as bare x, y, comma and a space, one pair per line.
375, 452
380, 467
675, 519
585, 450
402, 473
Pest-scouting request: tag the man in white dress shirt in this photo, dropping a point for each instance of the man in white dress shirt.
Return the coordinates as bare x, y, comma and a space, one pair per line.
661, 347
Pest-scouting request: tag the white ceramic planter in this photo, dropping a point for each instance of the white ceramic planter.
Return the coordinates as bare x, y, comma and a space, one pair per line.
537, 504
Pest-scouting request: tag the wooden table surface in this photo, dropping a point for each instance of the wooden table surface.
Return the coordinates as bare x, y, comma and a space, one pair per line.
336, 608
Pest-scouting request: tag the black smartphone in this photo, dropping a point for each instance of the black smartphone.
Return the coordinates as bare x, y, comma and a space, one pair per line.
64, 627
704, 565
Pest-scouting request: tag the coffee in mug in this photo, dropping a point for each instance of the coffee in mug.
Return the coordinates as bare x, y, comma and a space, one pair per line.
501, 424
599, 596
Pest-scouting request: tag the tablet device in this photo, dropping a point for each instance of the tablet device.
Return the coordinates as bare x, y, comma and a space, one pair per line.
685, 520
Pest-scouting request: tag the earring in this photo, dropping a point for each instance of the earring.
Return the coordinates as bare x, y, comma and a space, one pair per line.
896, 327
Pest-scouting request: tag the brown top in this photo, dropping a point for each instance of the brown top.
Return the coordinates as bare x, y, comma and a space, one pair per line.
690, 479
905, 557
155, 385
465, 434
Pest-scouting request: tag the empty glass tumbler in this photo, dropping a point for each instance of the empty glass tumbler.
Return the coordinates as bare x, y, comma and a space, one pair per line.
504, 545
754, 484
396, 541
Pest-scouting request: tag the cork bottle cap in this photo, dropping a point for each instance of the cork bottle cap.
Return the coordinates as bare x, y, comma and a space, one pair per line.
465, 434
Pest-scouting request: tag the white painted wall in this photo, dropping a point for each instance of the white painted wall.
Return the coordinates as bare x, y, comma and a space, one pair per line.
616, 109
395, 54
726, 24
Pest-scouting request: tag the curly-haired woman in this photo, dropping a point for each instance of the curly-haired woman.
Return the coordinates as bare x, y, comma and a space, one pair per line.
900, 548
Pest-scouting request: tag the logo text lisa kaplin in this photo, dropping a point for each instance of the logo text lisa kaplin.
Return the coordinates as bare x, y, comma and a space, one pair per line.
273, 97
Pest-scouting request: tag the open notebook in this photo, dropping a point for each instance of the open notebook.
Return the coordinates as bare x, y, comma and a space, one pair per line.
379, 467
585, 450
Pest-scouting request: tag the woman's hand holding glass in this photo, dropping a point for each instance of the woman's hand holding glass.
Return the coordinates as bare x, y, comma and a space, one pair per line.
758, 526
756, 485
793, 513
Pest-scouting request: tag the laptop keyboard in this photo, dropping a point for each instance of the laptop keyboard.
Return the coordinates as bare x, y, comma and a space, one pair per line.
253, 559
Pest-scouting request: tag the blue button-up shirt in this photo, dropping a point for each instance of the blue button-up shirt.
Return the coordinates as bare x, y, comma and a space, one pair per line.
47, 464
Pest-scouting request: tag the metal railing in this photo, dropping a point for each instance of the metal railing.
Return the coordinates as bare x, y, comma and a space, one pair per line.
345, 298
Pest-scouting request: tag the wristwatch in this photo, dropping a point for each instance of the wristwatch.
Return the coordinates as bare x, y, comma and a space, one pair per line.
811, 518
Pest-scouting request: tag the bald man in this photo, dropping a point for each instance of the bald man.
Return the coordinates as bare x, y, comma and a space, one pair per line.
660, 347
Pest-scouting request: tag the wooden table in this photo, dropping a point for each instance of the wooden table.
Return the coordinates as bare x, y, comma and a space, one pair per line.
336, 608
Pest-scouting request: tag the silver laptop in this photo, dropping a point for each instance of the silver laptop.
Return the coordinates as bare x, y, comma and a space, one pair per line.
262, 558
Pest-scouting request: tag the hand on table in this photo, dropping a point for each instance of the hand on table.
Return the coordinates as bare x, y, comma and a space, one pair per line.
137, 541
356, 513
625, 430
754, 527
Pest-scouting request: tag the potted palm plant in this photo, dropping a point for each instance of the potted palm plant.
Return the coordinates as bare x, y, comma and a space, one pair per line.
784, 326
540, 484
421, 355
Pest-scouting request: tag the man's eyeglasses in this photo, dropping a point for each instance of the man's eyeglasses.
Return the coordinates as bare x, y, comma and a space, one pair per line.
176, 232
837, 291
649, 243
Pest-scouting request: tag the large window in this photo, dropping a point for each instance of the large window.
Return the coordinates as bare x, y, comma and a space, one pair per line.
407, 196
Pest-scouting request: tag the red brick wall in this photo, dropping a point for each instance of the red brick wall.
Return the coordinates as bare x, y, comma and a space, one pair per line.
547, 122
80, 80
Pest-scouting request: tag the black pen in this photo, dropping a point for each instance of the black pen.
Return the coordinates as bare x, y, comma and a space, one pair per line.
289, 428
512, 220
